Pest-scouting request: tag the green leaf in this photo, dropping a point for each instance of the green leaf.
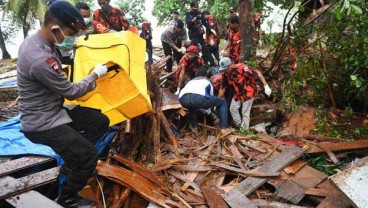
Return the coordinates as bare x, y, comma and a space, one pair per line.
356, 9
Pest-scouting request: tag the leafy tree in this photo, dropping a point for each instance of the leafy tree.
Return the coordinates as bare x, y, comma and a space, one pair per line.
133, 10
26, 12
4, 51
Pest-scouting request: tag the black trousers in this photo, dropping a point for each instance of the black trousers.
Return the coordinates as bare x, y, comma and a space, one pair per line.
74, 142
207, 57
168, 52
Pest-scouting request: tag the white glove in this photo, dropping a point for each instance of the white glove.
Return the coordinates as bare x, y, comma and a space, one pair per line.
267, 90
183, 50
177, 91
213, 31
246, 68
100, 70
212, 42
237, 42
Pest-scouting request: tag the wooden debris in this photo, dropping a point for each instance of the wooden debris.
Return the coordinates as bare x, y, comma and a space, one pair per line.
22, 163
254, 173
212, 197
318, 192
136, 182
306, 177
299, 124
290, 191
276, 163
9, 187
294, 167
170, 134
271, 204
339, 146
32, 199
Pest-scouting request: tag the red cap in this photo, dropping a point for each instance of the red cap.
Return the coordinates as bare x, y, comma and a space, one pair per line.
145, 24
192, 49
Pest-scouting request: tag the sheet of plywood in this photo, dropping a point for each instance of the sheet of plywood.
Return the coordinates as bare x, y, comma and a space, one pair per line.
353, 183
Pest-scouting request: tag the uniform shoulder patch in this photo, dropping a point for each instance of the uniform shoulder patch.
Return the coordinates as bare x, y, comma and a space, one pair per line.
54, 65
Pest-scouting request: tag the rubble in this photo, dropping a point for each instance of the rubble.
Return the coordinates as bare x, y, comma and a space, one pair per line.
157, 160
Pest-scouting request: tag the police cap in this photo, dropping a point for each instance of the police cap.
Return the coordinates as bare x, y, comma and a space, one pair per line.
67, 14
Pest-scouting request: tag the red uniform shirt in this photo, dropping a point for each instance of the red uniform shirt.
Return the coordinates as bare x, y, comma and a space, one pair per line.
113, 20
243, 83
189, 66
234, 38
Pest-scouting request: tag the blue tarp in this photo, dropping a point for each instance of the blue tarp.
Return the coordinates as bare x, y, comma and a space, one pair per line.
13, 142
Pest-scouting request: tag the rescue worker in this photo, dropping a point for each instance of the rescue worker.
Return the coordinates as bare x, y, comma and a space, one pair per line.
93, 27
147, 35
110, 17
212, 34
42, 88
188, 65
198, 94
232, 48
174, 33
194, 20
174, 16
243, 80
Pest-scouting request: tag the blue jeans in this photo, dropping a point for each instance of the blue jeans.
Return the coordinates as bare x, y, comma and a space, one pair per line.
194, 101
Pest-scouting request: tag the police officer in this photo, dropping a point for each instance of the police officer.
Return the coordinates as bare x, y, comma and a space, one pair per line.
42, 88
194, 20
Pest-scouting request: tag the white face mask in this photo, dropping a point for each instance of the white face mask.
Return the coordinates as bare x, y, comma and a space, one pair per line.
86, 20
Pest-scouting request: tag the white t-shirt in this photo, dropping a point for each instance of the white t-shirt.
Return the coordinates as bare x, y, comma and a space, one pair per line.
199, 85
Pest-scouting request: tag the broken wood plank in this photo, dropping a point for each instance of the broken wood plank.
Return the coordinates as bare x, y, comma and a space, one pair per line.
237, 156
204, 155
290, 191
9, 188
123, 197
136, 182
295, 127
353, 183
318, 192
22, 163
339, 146
32, 199
294, 167
252, 146
271, 204
306, 177
184, 179
213, 199
238, 200
336, 200
168, 131
255, 173
276, 163
141, 170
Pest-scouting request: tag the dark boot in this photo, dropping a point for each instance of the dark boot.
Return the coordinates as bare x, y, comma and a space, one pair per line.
74, 201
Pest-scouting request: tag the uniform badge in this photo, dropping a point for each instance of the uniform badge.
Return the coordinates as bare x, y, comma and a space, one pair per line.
54, 65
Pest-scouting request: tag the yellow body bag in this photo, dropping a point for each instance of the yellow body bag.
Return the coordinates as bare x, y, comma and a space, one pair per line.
122, 93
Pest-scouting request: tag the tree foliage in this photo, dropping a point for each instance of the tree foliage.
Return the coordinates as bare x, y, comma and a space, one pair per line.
25, 12
133, 10
332, 60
